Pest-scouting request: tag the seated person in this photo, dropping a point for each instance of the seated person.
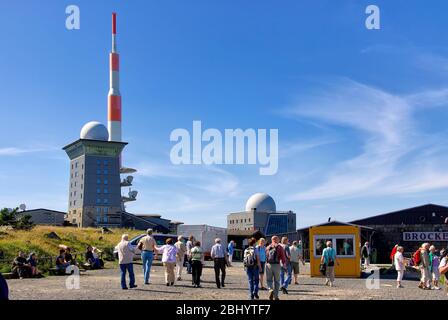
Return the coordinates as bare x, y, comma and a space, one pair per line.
96, 253
68, 258
91, 260
61, 265
20, 266
32, 261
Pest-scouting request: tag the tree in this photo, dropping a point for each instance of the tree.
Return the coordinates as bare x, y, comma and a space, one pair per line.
13, 219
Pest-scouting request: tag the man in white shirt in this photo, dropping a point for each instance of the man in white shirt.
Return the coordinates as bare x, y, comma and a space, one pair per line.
218, 254
125, 259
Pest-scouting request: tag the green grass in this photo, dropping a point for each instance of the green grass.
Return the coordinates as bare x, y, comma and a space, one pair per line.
35, 240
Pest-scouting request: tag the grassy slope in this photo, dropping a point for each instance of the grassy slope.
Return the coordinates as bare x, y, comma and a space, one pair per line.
35, 241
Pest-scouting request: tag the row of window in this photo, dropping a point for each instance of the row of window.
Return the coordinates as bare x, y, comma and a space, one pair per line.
75, 165
99, 201
105, 191
76, 175
105, 181
239, 221
104, 210
105, 162
71, 185
99, 171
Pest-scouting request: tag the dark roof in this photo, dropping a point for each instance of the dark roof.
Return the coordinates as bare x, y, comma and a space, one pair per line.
335, 223
41, 209
425, 214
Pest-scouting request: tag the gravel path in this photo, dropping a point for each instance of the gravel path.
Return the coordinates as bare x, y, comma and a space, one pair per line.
104, 284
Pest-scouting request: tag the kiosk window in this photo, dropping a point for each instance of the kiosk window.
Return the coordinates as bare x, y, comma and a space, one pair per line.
320, 245
343, 244
344, 247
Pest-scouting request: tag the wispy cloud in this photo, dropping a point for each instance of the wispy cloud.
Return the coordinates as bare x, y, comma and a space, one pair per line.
390, 138
15, 151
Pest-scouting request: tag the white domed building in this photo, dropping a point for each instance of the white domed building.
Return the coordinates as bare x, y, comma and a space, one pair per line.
261, 215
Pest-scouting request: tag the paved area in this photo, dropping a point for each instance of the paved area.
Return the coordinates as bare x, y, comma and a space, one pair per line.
104, 284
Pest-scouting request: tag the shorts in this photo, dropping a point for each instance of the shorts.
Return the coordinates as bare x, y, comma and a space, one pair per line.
295, 267
435, 275
263, 267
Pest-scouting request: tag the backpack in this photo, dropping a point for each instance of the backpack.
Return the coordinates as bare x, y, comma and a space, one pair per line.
272, 257
416, 257
249, 257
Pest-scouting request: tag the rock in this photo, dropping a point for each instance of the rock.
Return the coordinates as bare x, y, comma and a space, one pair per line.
52, 235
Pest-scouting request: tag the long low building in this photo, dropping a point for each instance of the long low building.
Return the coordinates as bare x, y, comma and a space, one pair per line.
45, 216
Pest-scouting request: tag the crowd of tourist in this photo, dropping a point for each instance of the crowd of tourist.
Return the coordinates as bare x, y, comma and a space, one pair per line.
431, 263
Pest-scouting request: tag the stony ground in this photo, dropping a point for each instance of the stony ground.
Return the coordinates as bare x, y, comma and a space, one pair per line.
104, 284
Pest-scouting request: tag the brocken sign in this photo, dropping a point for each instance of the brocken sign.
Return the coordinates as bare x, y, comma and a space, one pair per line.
425, 236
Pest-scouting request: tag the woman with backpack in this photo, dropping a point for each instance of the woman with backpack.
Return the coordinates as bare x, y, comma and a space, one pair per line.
253, 266
329, 260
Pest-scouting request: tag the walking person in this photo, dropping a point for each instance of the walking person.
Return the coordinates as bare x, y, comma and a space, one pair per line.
197, 263
365, 254
425, 279
261, 247
189, 246
147, 245
180, 256
296, 258
169, 253
399, 266
218, 254
329, 259
125, 259
434, 262
287, 267
231, 250
251, 260
443, 266
274, 256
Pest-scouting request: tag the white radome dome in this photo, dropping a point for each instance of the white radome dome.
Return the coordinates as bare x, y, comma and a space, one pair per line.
262, 202
94, 130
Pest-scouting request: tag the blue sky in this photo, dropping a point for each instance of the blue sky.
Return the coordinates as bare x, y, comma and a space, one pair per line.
361, 113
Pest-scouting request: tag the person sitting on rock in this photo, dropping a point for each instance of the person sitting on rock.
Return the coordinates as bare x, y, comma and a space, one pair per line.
21, 267
61, 265
92, 258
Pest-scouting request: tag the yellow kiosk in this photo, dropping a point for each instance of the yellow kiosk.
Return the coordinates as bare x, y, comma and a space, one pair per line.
346, 239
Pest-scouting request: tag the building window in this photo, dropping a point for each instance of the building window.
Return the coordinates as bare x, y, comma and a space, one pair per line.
76, 164
106, 210
98, 219
76, 173
106, 171
98, 162
106, 181
106, 190
98, 181
98, 200
75, 183
106, 201
343, 244
106, 162
98, 210
98, 191
72, 166
98, 171
74, 202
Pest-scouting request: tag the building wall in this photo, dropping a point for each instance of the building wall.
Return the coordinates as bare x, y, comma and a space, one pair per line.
95, 191
387, 236
45, 217
240, 221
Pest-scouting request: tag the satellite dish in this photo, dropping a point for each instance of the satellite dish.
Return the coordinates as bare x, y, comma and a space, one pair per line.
133, 194
446, 220
129, 179
22, 207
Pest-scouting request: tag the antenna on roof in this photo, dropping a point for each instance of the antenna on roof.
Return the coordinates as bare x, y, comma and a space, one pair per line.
22, 207
329, 219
